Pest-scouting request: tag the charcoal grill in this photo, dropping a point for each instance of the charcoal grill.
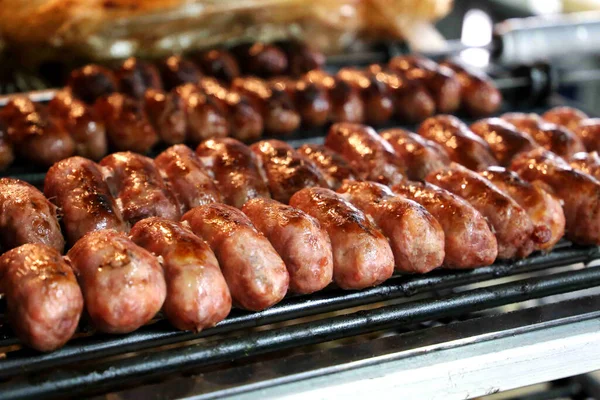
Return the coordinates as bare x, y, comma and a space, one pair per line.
438, 335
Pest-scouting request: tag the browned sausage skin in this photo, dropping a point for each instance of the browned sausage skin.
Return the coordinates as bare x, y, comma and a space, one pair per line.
544, 209
92, 82
197, 294
286, 170
260, 59
586, 162
176, 71
299, 239
377, 100
81, 123
167, 113
362, 256
204, 118
504, 139
333, 166
218, 63
345, 102
479, 96
122, 284
579, 192
139, 187
513, 227
7, 154
588, 131
462, 145
550, 136
255, 273
77, 186
371, 156
469, 242
27, 217
235, 168
43, 299
189, 179
301, 57
415, 236
310, 99
421, 156
127, 125
136, 77
568, 117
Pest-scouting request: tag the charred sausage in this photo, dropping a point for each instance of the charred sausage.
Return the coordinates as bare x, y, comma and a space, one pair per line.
255, 273
91, 82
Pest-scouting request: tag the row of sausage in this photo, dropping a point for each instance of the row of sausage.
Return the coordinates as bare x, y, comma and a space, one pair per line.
91, 116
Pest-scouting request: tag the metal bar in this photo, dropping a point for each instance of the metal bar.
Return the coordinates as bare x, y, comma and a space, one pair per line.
109, 375
159, 334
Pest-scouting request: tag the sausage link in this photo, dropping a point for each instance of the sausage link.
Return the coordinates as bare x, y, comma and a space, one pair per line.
91, 82
123, 284
136, 77
565, 116
586, 162
260, 59
235, 168
544, 209
77, 186
255, 273
301, 57
333, 167
197, 294
345, 101
300, 241
218, 63
204, 119
78, 119
7, 154
377, 100
189, 179
176, 71
589, 133
512, 226
310, 100
415, 236
421, 156
139, 187
469, 242
27, 217
362, 256
286, 171
127, 125
43, 299
462, 145
167, 113
371, 156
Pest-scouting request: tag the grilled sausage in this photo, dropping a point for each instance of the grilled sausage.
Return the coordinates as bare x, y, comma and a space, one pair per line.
544, 209
218, 63
412, 102
187, 176
478, 94
43, 299
550, 136
7, 154
204, 119
77, 187
27, 217
300, 241
91, 82
176, 71
579, 192
589, 133
310, 100
127, 125
139, 187
513, 227
260, 59
276, 107
345, 102
33, 134
415, 236
333, 167
441, 82
469, 242
565, 116
504, 139
123, 284
78, 119
136, 77
256, 275
245, 121
167, 113
586, 162
377, 100
371, 156
235, 168
462, 145
362, 256
421, 156
301, 57
286, 170
197, 294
